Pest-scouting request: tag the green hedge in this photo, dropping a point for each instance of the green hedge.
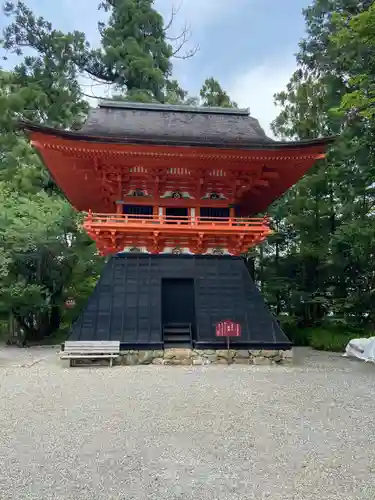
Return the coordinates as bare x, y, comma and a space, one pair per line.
325, 339
329, 340
332, 336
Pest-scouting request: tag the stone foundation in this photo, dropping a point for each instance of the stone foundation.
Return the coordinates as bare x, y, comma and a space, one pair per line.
205, 357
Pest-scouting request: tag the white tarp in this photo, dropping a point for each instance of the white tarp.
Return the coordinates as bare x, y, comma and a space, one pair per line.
362, 349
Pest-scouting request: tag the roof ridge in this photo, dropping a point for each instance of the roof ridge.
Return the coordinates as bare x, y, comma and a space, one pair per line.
177, 108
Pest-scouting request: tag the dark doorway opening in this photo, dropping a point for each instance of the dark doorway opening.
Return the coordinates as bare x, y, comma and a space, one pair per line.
178, 312
138, 210
208, 213
177, 215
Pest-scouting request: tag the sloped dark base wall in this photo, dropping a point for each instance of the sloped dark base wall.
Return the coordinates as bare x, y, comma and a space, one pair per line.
126, 304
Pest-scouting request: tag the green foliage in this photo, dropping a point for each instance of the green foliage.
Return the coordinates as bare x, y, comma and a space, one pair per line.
321, 259
330, 335
212, 94
290, 326
135, 54
334, 338
357, 34
134, 57
326, 340
42, 250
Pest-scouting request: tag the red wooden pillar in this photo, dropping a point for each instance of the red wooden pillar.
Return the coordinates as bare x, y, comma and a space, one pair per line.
119, 207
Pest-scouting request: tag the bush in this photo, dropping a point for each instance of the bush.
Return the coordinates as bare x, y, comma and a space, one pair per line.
329, 340
299, 336
330, 336
334, 339
4, 330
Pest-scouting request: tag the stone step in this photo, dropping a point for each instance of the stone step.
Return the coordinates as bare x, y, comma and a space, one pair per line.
177, 345
176, 330
177, 338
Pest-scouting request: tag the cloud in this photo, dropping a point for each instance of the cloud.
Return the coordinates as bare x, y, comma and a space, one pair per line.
255, 88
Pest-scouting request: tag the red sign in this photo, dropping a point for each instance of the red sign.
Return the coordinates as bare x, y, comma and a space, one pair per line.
228, 328
70, 303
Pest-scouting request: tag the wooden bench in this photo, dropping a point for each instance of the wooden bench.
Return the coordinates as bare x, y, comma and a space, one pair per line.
91, 350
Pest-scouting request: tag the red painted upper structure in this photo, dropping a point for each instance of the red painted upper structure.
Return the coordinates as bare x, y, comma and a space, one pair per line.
174, 156
95, 165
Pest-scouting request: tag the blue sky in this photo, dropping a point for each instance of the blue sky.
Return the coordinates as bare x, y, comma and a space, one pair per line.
248, 45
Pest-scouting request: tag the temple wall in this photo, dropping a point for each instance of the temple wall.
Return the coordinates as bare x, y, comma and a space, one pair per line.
138, 295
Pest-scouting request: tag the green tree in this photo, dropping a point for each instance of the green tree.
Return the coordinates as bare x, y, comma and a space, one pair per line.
134, 57
41, 247
357, 34
333, 204
212, 94
32, 95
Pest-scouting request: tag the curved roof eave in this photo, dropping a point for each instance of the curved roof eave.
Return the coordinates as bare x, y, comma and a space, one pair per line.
29, 127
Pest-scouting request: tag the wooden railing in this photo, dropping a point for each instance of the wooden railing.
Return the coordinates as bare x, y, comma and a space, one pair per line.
93, 219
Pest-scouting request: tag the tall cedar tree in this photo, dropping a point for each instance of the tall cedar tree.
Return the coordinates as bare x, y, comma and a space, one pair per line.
327, 260
134, 57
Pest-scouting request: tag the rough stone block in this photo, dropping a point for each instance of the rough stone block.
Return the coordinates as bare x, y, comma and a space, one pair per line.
242, 354
130, 359
177, 354
268, 353
224, 353
255, 352
208, 352
158, 361
211, 358
262, 361
146, 357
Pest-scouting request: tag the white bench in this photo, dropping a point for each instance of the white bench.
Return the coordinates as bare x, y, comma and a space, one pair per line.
91, 350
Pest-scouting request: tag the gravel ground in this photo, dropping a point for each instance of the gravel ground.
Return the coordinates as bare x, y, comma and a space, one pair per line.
302, 432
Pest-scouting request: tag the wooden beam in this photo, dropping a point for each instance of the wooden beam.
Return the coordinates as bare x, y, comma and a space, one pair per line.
270, 175
260, 183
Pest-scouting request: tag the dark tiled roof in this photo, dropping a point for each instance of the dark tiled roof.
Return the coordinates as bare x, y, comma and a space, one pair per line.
181, 124
137, 123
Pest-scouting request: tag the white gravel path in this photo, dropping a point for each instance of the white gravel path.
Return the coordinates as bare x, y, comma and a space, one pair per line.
279, 433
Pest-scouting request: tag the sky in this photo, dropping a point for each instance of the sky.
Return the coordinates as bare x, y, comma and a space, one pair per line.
248, 45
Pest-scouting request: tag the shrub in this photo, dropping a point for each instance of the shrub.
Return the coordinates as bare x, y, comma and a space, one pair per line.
299, 336
4, 329
334, 339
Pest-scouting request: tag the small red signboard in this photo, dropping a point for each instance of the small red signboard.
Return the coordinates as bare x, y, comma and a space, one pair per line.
70, 303
228, 328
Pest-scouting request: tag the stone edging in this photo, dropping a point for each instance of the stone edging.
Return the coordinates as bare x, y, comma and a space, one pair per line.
205, 357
